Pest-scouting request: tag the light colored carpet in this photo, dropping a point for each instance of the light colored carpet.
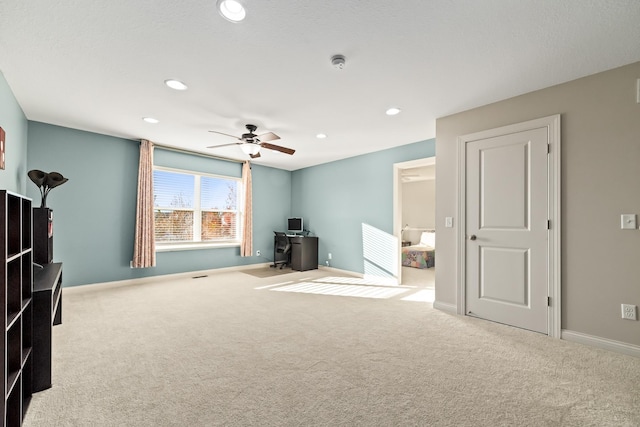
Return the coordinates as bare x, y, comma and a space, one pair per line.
263, 272
419, 277
235, 350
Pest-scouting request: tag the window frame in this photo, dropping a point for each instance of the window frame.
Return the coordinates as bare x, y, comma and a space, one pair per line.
197, 213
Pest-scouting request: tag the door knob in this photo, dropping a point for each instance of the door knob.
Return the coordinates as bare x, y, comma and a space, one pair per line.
472, 237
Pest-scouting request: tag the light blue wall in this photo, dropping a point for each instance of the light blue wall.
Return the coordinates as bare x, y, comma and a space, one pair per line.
94, 212
14, 123
335, 199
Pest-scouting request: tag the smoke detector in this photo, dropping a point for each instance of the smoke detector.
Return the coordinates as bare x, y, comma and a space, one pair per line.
338, 61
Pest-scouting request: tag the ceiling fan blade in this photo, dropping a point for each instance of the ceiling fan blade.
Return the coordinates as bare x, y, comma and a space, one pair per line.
225, 145
226, 134
254, 156
269, 136
277, 148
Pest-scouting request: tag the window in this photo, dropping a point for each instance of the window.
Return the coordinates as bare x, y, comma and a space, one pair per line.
194, 208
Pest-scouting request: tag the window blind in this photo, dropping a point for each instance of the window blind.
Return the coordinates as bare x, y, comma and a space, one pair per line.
192, 207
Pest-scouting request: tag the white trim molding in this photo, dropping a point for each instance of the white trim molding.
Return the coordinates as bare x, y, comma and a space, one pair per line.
446, 307
603, 343
191, 274
340, 271
397, 201
162, 277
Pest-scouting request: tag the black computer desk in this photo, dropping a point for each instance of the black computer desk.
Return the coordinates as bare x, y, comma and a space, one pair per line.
304, 252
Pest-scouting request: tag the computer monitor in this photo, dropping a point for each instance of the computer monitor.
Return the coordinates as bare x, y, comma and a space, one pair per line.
294, 225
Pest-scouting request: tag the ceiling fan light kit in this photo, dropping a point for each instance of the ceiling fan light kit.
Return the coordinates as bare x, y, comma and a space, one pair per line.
250, 149
250, 143
231, 10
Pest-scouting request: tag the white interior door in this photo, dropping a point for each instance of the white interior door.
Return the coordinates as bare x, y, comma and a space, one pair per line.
506, 227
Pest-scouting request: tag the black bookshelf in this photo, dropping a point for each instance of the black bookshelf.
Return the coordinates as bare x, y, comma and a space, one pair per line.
16, 295
47, 311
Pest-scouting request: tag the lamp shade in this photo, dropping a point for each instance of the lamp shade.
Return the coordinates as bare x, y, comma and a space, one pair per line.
250, 148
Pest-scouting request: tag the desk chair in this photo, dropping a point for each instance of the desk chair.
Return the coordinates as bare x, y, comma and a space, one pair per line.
281, 250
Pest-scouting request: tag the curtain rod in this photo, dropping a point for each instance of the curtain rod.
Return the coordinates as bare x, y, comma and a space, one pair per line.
196, 153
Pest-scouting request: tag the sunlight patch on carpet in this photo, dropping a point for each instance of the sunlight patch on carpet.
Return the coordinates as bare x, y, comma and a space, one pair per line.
424, 295
342, 290
358, 281
274, 285
267, 272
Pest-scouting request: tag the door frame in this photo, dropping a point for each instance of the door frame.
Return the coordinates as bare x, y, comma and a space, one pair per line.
552, 123
397, 201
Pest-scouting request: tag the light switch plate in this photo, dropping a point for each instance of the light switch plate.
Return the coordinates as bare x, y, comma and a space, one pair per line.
628, 221
448, 222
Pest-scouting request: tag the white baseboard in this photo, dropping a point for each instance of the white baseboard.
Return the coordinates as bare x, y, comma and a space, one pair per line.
444, 306
381, 281
150, 279
604, 343
340, 271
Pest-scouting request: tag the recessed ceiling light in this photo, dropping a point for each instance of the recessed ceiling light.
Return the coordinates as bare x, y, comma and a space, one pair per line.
151, 120
321, 135
231, 10
393, 111
175, 84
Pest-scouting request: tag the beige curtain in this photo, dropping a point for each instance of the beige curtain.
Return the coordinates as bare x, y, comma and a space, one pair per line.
246, 248
144, 249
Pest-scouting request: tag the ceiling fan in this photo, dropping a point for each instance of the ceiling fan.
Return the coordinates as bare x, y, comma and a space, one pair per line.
250, 143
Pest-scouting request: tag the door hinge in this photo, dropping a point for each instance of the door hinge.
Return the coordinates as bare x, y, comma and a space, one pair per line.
548, 148
548, 224
548, 301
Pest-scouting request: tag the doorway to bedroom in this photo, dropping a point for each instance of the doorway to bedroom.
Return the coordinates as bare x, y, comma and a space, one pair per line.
414, 221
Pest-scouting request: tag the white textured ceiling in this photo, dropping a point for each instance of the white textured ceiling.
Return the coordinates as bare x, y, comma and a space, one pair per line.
420, 173
100, 66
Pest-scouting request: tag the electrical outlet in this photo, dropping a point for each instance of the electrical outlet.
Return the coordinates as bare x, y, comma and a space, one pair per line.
629, 312
258, 252
329, 255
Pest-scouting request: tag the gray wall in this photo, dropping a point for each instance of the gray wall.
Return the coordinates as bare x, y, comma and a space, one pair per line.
14, 123
94, 212
600, 175
336, 199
